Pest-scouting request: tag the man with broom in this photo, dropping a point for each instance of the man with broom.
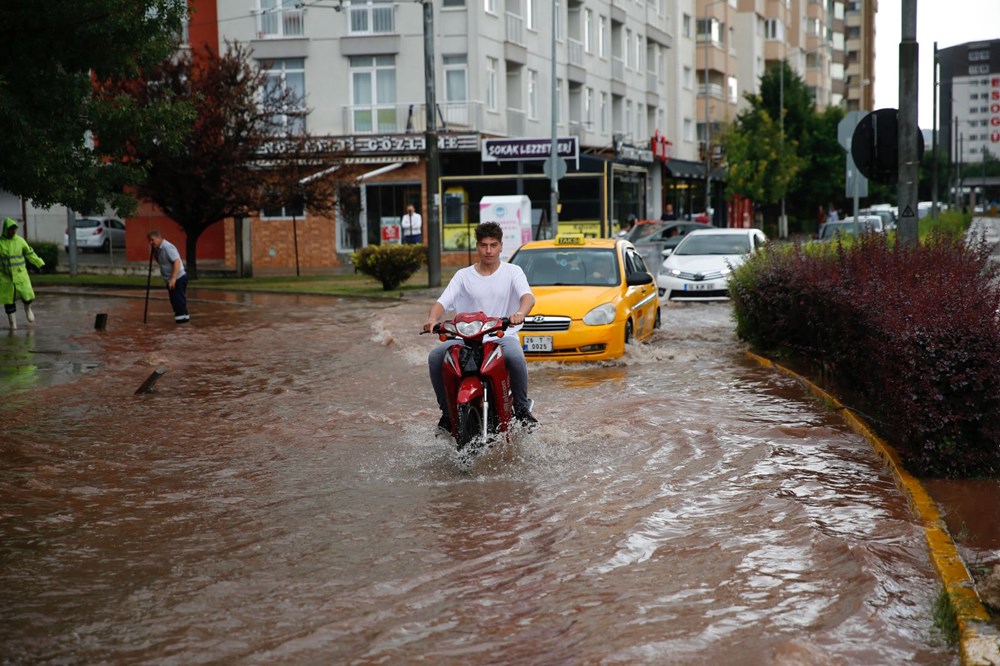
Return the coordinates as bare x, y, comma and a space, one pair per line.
172, 270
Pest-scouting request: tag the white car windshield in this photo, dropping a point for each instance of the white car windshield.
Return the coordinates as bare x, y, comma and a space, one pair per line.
714, 244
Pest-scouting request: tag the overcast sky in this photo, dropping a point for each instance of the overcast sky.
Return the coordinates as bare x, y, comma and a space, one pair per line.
949, 22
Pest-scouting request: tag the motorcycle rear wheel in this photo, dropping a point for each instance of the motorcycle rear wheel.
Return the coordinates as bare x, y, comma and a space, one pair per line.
470, 427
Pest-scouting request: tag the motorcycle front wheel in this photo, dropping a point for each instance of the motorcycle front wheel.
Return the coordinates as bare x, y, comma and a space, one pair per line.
470, 426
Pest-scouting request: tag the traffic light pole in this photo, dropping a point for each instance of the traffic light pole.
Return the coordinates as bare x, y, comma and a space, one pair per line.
906, 186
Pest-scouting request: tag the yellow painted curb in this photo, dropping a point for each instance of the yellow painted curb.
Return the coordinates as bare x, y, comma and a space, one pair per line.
978, 639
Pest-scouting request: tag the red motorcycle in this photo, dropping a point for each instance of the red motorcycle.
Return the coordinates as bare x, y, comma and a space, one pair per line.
475, 380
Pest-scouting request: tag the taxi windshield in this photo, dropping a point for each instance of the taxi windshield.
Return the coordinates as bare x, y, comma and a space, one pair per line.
585, 267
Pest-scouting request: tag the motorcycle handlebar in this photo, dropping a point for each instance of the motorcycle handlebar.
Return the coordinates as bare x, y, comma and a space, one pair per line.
504, 325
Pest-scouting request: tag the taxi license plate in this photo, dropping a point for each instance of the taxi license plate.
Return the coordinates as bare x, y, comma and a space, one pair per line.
537, 343
700, 286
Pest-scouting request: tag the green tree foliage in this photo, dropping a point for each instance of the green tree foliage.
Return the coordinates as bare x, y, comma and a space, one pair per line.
816, 163
761, 165
61, 141
236, 157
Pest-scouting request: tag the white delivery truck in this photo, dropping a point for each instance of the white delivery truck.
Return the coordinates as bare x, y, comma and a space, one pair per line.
513, 214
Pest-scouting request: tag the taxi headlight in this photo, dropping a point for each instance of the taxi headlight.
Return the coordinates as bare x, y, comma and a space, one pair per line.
602, 315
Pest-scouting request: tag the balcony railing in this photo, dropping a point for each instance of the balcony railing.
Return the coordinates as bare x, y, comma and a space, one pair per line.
714, 90
371, 17
515, 29
278, 23
411, 117
516, 122
575, 52
617, 69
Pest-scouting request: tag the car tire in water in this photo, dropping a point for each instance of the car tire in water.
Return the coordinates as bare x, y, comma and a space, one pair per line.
470, 425
656, 322
106, 246
628, 331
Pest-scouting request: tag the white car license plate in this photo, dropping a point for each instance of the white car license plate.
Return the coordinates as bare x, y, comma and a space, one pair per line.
537, 343
701, 286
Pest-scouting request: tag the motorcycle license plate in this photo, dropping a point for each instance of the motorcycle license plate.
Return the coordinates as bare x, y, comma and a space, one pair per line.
537, 343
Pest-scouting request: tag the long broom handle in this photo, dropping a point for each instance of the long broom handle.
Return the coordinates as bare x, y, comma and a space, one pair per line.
149, 279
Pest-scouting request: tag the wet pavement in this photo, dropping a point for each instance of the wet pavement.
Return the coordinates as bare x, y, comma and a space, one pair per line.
282, 497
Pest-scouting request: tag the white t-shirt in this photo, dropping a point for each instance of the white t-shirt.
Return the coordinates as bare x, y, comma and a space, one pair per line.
412, 224
498, 295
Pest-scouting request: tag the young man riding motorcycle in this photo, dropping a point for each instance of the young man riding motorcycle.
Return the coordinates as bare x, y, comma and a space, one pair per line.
499, 289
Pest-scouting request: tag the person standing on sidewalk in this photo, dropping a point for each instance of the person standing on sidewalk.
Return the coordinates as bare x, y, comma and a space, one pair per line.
413, 226
14, 280
172, 270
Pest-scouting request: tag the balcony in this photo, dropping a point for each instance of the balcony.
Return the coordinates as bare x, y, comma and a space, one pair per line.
371, 17
575, 52
280, 23
515, 29
411, 117
516, 122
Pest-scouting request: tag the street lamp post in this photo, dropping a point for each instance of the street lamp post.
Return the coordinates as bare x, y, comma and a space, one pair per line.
706, 37
431, 158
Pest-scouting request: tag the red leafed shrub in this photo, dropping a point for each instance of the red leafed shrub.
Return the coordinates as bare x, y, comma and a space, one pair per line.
911, 333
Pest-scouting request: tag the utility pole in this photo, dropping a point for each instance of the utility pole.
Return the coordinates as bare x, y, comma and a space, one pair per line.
906, 186
934, 155
431, 155
554, 150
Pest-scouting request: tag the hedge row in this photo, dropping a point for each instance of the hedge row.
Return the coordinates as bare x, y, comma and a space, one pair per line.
911, 332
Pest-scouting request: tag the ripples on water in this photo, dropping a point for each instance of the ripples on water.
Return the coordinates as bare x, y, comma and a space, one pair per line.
282, 498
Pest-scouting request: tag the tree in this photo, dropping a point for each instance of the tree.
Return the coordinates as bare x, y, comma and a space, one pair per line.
237, 157
761, 164
61, 142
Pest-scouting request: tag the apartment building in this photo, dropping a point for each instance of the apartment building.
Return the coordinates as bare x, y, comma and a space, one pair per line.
969, 109
624, 113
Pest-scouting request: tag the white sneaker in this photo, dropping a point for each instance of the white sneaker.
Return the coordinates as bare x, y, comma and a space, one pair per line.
29, 314
12, 318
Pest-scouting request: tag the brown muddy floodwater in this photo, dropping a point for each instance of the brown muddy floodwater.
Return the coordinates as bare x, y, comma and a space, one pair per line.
281, 498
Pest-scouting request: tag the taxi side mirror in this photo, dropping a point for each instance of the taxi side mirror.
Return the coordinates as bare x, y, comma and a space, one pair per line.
638, 279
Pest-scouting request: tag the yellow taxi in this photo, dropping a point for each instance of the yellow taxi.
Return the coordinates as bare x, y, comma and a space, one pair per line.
593, 296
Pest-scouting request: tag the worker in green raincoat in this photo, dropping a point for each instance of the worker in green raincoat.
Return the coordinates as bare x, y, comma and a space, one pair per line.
14, 281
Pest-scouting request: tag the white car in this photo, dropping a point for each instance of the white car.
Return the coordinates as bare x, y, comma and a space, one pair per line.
698, 268
97, 233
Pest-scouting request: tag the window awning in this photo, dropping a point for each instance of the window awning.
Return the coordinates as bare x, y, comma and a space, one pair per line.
379, 171
686, 169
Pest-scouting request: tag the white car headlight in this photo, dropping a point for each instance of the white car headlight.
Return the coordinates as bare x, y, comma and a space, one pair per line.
601, 315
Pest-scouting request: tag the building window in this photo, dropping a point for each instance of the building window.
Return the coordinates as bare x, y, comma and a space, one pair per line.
373, 94
602, 35
532, 94
558, 109
734, 93
588, 107
490, 6
628, 117
557, 17
774, 29
628, 49
279, 18
456, 78
686, 25
688, 78
491, 83
287, 77
688, 130
371, 17
530, 10
603, 112
709, 29
453, 3
588, 30
640, 51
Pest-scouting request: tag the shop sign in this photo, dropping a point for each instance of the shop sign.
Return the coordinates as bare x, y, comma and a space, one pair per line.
379, 144
629, 153
530, 150
661, 147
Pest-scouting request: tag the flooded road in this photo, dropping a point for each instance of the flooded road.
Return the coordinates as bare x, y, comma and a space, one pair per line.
282, 498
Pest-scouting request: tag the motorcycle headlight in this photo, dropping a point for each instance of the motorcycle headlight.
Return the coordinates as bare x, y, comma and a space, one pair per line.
468, 328
450, 327
601, 315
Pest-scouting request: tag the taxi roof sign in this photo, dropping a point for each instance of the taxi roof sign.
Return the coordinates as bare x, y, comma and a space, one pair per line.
570, 239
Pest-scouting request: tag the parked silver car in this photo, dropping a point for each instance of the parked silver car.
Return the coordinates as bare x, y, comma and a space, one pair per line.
97, 233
